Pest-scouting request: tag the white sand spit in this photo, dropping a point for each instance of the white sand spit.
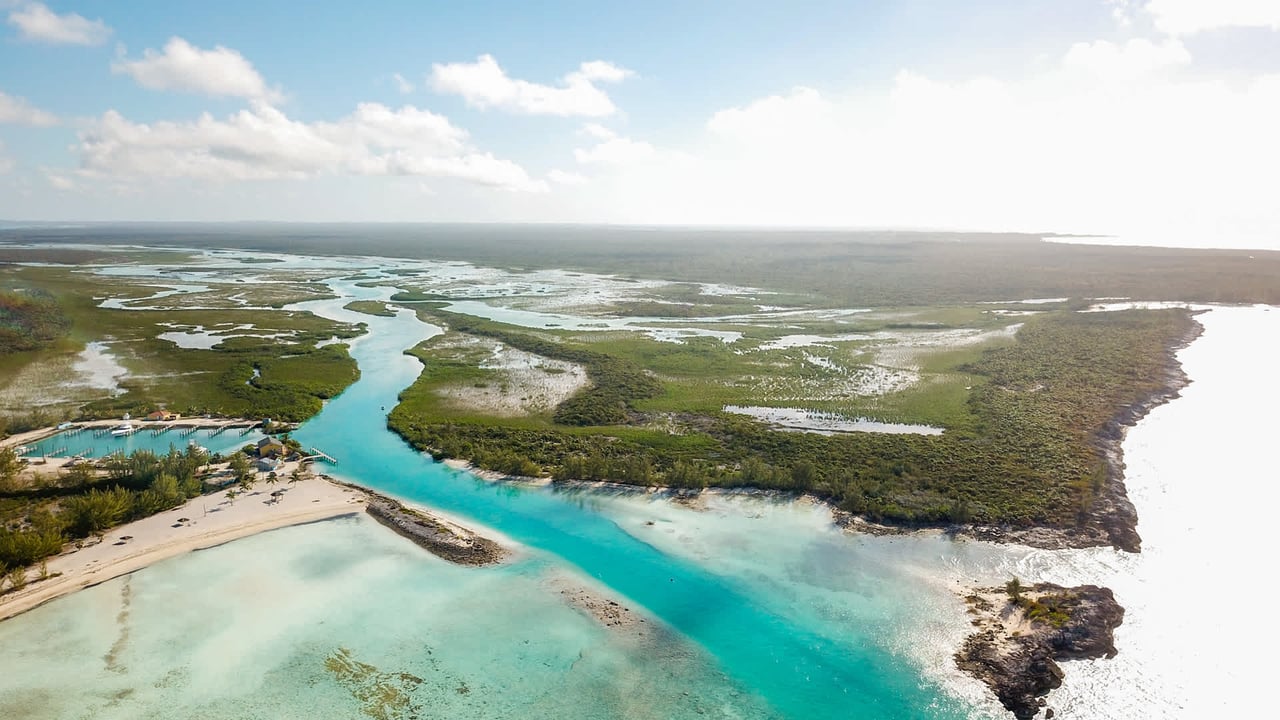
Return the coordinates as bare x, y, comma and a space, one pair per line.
213, 520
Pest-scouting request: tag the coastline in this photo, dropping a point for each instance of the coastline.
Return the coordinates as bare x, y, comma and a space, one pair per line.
1114, 512
213, 521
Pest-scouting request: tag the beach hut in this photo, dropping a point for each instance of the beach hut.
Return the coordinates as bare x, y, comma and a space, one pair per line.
269, 447
269, 464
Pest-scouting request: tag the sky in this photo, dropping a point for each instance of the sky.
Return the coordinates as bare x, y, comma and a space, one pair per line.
1154, 121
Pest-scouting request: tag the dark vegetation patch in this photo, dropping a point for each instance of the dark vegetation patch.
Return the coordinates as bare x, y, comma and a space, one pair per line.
30, 320
37, 518
370, 307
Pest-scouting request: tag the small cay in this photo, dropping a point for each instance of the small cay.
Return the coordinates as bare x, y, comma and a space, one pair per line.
450, 542
1022, 631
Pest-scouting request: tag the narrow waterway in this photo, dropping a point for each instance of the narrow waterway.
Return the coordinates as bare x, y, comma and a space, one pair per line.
803, 666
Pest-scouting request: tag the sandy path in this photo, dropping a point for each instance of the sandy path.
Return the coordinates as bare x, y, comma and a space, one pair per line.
213, 521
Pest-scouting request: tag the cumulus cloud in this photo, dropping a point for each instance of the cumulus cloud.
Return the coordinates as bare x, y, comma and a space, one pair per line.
1133, 60
1119, 138
18, 111
58, 180
564, 177
220, 72
484, 84
404, 86
1187, 17
261, 142
613, 150
35, 21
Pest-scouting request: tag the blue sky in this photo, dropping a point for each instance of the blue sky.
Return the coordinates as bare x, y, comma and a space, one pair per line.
1148, 119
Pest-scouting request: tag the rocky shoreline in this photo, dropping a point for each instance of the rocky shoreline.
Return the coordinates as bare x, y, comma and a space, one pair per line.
444, 540
1022, 633
1112, 520
1113, 514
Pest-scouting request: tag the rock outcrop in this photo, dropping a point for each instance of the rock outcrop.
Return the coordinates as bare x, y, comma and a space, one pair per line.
1020, 639
446, 540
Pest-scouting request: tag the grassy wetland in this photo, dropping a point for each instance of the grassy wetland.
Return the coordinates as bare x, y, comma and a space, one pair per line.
128, 343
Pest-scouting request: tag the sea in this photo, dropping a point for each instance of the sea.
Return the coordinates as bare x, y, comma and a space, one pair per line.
746, 605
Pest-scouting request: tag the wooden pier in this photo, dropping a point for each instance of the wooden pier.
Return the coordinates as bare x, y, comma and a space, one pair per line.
317, 452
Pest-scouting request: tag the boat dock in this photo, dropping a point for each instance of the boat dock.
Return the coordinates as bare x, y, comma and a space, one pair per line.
318, 453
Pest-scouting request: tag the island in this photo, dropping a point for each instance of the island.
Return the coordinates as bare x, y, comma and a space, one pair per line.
1023, 631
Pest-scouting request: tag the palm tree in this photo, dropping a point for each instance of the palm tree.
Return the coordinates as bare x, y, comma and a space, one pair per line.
272, 478
232, 494
296, 475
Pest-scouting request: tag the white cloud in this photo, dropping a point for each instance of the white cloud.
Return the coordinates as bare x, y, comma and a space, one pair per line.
484, 84
263, 143
220, 72
1187, 17
615, 151
59, 181
612, 149
1160, 155
598, 131
18, 111
35, 21
404, 86
562, 177
1133, 60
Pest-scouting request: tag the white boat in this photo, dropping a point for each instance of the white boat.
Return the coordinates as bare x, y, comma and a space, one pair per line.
125, 429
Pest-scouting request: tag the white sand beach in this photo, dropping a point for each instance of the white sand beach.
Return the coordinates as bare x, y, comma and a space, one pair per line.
210, 520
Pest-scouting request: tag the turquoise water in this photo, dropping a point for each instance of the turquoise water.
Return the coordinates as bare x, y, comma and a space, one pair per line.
84, 443
797, 662
249, 630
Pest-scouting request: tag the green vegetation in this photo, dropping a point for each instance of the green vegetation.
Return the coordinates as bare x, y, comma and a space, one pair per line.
292, 375
29, 320
416, 296
37, 519
370, 307
1052, 608
285, 388
1021, 452
616, 382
